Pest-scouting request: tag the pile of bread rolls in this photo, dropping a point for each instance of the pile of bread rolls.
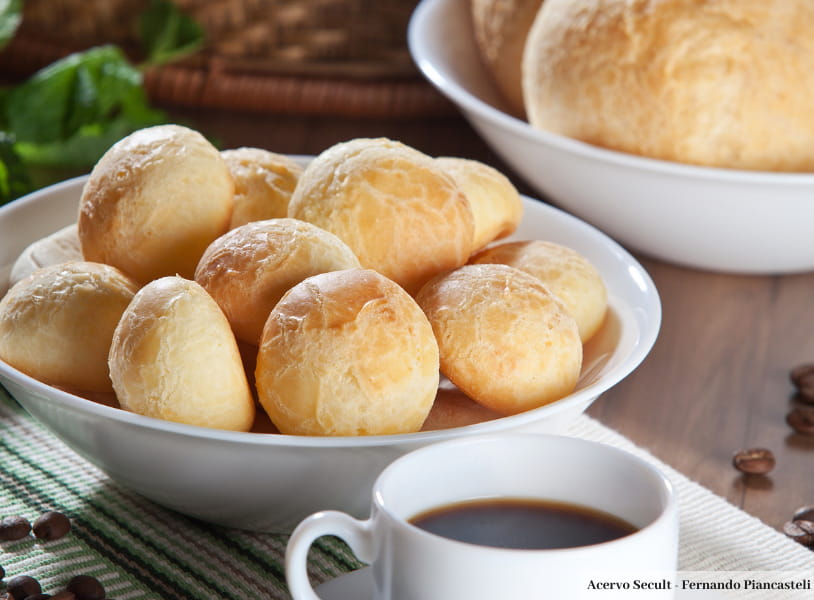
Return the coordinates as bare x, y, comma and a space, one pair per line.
367, 293
722, 84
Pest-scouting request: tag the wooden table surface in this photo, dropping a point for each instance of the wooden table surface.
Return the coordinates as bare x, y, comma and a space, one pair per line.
717, 379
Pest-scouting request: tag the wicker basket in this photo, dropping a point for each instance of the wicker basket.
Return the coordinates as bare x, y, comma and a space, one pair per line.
298, 56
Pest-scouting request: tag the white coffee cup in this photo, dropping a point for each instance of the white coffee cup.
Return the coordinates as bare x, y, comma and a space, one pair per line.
409, 563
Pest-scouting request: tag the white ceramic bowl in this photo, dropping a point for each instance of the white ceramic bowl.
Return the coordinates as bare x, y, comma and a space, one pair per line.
715, 219
271, 481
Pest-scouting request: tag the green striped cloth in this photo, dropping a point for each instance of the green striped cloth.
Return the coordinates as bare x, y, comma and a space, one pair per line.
137, 549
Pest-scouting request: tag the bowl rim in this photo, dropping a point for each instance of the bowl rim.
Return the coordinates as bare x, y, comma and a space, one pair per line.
646, 339
422, 20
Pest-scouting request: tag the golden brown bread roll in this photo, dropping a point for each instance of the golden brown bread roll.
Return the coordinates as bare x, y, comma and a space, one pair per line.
725, 84
248, 269
347, 353
264, 182
400, 213
504, 339
500, 28
174, 357
59, 247
564, 271
56, 325
154, 202
496, 204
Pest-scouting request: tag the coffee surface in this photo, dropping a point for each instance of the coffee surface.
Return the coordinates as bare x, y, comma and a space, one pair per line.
523, 524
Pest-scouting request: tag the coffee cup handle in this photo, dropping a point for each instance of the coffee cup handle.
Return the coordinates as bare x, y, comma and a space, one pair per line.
358, 535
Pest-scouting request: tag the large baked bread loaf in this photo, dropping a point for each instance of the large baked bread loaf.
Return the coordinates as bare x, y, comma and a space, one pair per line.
725, 83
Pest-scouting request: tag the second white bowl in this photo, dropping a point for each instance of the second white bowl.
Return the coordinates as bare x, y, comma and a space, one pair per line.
716, 219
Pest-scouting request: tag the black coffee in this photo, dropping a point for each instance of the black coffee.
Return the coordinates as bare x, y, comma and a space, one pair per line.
523, 524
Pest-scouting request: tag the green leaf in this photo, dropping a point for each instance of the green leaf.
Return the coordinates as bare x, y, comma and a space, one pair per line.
167, 33
81, 89
71, 112
36, 110
11, 13
83, 149
14, 179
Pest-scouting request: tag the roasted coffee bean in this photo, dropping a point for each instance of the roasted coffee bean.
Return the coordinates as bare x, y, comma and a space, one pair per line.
2, 572
14, 528
801, 419
85, 587
804, 513
800, 531
23, 586
51, 525
39, 597
754, 461
802, 377
806, 394
64, 595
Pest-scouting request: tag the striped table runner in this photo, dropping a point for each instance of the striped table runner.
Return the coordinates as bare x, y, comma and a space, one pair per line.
137, 549
140, 550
